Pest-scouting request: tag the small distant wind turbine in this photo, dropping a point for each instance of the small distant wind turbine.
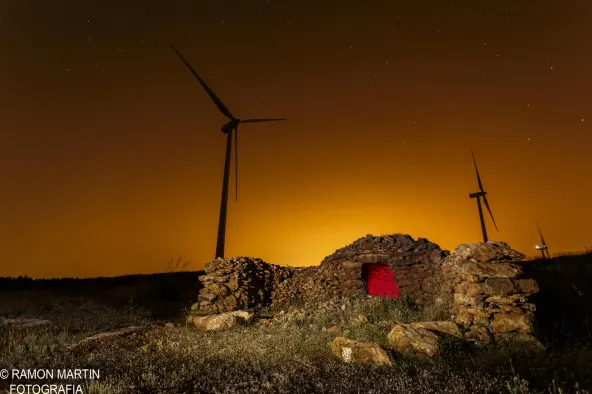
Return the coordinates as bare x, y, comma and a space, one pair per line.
478, 196
543, 246
227, 129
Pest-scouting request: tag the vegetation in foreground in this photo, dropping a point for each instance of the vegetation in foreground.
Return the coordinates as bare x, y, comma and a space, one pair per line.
285, 357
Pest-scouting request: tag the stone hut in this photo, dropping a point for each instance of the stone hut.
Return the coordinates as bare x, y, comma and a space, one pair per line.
485, 286
395, 263
408, 267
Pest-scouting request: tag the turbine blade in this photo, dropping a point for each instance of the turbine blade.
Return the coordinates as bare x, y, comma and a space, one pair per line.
259, 120
477, 171
541, 235
236, 161
490, 213
212, 95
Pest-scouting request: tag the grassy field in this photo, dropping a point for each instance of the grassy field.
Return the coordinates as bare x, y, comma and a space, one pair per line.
283, 357
290, 355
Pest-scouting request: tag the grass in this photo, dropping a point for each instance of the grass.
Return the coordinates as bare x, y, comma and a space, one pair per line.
290, 356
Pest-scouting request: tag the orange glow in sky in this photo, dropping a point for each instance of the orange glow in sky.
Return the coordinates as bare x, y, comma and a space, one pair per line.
111, 154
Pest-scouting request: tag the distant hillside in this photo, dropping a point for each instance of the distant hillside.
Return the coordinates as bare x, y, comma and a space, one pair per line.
565, 294
27, 283
165, 293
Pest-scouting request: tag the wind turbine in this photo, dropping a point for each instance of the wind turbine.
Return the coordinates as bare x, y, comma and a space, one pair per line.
228, 129
478, 196
543, 247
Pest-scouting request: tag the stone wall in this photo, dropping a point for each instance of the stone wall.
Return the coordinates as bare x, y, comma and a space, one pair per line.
238, 283
487, 291
485, 285
246, 283
416, 265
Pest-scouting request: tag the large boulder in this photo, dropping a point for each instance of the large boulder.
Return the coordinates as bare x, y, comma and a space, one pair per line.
223, 321
513, 322
414, 339
351, 351
442, 327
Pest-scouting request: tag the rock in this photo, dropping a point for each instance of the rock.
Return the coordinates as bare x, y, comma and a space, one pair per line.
504, 308
218, 289
478, 271
407, 338
445, 327
246, 316
511, 300
223, 321
486, 252
203, 308
464, 299
351, 351
215, 322
498, 287
475, 310
469, 289
233, 284
213, 278
527, 286
510, 322
464, 318
207, 297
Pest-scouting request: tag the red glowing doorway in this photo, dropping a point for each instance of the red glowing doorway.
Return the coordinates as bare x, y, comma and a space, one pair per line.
381, 281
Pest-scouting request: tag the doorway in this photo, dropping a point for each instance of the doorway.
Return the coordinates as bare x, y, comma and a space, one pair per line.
381, 280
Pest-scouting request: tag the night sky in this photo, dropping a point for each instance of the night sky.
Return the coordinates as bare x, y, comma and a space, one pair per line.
111, 154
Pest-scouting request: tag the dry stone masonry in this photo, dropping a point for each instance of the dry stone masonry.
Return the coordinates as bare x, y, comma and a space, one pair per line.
482, 283
238, 283
487, 291
247, 283
416, 265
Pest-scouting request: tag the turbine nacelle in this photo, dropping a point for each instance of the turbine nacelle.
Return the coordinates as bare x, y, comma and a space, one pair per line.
228, 127
539, 247
478, 194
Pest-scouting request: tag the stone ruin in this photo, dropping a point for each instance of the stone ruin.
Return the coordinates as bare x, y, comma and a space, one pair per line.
415, 264
488, 292
246, 283
482, 283
238, 283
